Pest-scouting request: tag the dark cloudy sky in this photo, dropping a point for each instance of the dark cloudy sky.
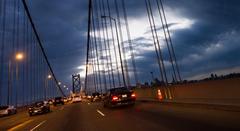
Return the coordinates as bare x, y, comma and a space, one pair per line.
205, 35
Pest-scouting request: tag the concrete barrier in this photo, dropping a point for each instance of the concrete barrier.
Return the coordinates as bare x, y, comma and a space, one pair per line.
219, 92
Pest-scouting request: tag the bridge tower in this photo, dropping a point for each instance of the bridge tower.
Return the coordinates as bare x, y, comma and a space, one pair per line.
76, 83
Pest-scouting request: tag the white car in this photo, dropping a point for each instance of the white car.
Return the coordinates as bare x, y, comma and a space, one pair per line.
7, 110
76, 99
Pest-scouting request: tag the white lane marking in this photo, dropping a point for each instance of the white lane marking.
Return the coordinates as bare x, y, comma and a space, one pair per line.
100, 113
37, 126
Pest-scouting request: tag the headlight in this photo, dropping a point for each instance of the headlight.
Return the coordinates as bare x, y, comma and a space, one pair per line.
6, 111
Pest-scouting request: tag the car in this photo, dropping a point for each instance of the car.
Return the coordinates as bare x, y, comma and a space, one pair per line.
76, 99
65, 99
69, 99
50, 102
119, 97
39, 108
58, 100
89, 97
96, 99
7, 110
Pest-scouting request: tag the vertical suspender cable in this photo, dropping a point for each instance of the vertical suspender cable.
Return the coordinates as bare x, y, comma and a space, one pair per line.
170, 40
3, 29
100, 44
94, 58
114, 46
155, 43
104, 41
92, 64
14, 39
96, 50
108, 45
25, 62
167, 42
158, 44
122, 45
17, 48
130, 42
101, 39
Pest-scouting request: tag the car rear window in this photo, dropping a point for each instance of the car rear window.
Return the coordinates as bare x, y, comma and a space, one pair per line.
119, 90
58, 98
39, 103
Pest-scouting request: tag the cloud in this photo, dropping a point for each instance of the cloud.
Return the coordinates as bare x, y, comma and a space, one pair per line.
204, 33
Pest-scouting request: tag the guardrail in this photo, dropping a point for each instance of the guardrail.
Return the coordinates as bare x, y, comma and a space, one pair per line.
218, 92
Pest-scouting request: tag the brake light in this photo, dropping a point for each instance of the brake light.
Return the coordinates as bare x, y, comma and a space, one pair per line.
133, 95
114, 98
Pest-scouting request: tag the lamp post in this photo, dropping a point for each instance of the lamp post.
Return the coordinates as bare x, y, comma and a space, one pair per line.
18, 58
119, 50
46, 86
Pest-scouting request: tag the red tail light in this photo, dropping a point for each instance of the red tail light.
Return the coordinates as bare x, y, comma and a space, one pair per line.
114, 98
133, 95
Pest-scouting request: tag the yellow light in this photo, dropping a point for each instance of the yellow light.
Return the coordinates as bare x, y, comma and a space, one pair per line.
19, 56
49, 76
160, 94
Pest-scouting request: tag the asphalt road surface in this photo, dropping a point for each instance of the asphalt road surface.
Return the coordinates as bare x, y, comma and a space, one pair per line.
87, 116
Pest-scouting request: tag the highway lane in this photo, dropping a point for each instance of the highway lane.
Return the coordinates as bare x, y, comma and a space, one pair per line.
141, 117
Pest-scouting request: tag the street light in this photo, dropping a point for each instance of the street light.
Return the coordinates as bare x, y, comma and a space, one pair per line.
46, 86
119, 50
59, 83
19, 56
49, 76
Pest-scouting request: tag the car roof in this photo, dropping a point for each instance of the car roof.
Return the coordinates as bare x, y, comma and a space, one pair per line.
119, 89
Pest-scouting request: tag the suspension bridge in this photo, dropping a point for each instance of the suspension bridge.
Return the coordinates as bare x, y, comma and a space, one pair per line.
27, 75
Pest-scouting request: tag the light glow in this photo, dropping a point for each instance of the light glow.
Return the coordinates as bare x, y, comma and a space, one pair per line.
19, 56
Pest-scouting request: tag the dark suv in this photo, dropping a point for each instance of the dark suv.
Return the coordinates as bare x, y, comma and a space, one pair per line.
39, 108
58, 100
119, 96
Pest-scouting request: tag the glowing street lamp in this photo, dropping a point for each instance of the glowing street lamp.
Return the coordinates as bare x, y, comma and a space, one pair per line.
59, 83
19, 56
64, 86
49, 76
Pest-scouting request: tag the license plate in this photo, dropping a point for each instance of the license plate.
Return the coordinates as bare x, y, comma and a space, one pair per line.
124, 96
